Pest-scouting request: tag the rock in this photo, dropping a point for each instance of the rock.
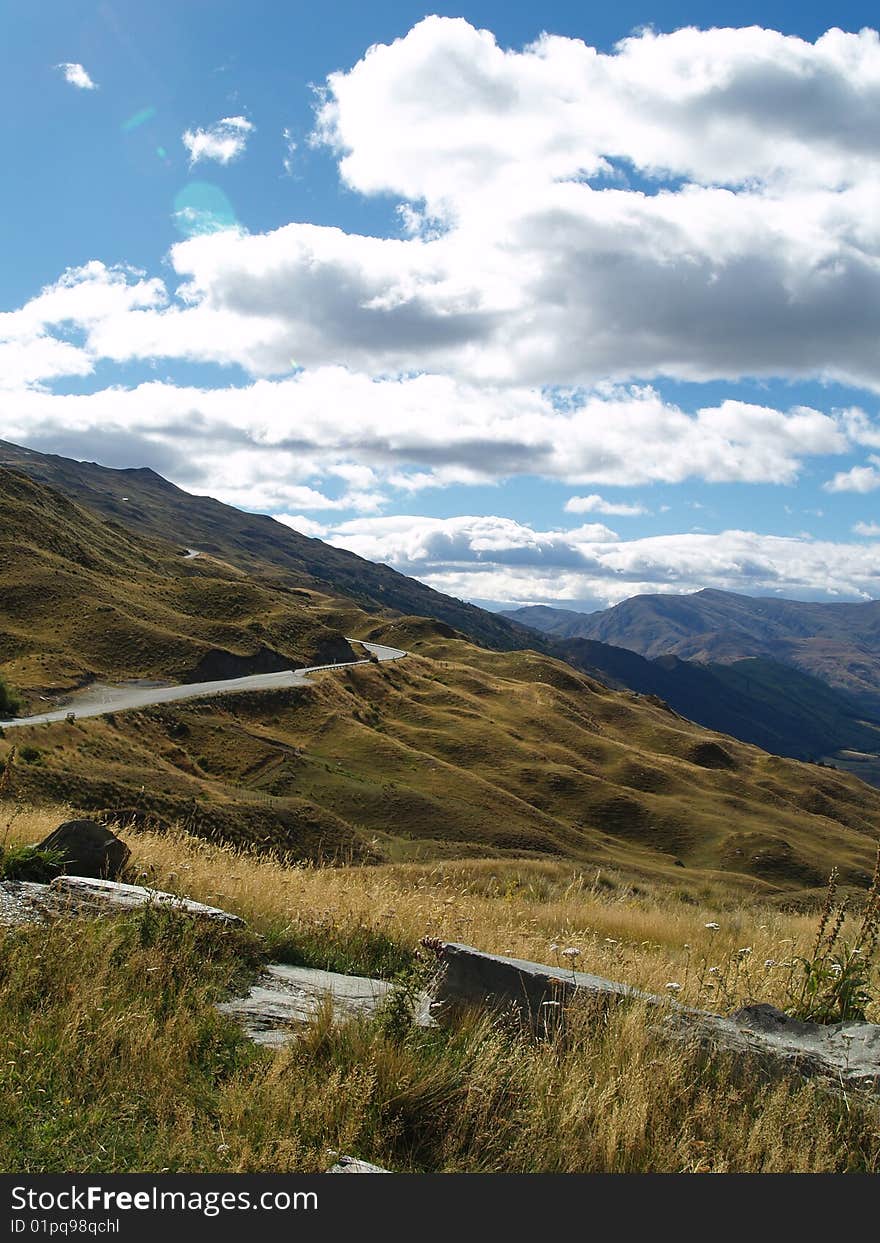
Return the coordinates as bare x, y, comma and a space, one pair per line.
83, 893
20, 903
352, 1165
285, 997
845, 1054
469, 977
89, 848
25, 903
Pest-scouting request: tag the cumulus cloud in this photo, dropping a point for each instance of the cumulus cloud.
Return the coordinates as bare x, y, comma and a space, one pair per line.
576, 227
77, 76
223, 141
305, 526
749, 247
499, 559
858, 479
870, 530
595, 504
421, 431
719, 106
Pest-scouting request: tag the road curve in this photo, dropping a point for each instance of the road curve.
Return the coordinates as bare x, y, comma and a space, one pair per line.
123, 698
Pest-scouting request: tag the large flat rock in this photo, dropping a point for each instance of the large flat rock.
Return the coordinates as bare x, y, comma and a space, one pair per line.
22, 902
284, 998
847, 1054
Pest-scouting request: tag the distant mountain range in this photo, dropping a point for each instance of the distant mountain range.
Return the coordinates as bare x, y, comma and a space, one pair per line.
799, 679
839, 643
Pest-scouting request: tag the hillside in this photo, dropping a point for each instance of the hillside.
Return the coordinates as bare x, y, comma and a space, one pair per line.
455, 752
85, 600
838, 643
760, 701
143, 502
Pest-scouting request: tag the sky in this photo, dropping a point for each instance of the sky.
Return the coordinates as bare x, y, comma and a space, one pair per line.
539, 304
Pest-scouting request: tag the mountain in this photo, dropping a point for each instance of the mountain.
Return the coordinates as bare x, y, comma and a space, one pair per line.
144, 503
456, 751
84, 599
837, 643
760, 701
782, 707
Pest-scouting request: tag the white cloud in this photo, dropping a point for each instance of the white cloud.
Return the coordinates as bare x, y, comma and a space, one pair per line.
720, 106
870, 530
77, 76
223, 141
305, 526
498, 559
417, 431
595, 504
761, 256
858, 479
290, 145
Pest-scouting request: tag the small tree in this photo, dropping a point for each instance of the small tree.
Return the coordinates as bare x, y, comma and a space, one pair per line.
9, 701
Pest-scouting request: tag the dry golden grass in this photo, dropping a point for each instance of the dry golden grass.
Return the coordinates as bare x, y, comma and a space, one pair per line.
182, 1089
721, 956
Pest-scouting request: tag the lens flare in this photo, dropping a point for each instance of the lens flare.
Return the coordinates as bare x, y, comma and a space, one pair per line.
139, 118
201, 207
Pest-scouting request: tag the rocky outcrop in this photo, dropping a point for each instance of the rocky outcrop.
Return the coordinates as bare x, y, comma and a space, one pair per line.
23, 903
845, 1054
286, 997
89, 849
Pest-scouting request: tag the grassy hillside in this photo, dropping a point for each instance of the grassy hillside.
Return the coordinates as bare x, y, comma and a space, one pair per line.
85, 599
143, 502
457, 752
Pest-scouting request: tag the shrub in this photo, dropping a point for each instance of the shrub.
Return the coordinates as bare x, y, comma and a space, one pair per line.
31, 755
9, 701
30, 863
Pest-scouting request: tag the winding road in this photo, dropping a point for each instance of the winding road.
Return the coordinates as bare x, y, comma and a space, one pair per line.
99, 700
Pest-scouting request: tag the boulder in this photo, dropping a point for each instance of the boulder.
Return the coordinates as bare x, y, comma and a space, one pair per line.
89, 849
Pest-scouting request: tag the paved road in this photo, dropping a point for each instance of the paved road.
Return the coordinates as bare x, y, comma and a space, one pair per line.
99, 700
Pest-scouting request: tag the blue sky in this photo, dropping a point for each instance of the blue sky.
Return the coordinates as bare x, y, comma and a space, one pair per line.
552, 320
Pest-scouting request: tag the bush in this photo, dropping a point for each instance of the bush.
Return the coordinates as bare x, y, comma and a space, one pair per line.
30, 863
10, 703
31, 755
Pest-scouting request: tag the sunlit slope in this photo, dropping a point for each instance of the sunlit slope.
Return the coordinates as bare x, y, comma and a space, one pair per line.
457, 752
83, 598
269, 551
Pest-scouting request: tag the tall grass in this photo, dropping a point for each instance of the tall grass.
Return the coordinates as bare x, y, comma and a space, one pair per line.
114, 1059
370, 920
